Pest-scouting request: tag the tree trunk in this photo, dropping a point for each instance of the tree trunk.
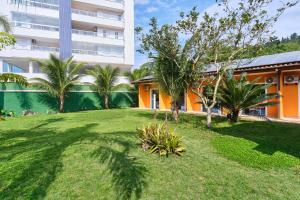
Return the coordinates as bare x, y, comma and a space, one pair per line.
235, 116
106, 102
208, 118
175, 112
62, 102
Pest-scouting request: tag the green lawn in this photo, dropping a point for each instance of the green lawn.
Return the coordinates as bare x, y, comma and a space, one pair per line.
95, 155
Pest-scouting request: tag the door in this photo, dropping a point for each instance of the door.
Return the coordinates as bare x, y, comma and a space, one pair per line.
154, 99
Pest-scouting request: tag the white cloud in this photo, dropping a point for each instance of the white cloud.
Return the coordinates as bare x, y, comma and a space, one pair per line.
142, 2
151, 9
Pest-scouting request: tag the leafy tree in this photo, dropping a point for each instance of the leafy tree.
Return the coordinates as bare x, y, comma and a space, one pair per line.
218, 41
105, 81
237, 94
162, 44
61, 76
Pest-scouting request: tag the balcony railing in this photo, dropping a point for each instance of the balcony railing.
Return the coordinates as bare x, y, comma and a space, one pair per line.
37, 4
56, 28
96, 53
95, 14
75, 11
35, 26
56, 49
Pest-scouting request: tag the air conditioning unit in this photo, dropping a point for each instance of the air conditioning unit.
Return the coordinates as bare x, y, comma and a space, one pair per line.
291, 79
271, 80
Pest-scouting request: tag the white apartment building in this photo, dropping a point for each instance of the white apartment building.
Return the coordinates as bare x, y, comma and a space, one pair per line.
102, 33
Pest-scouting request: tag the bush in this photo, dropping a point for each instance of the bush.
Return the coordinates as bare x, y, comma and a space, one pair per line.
7, 113
160, 139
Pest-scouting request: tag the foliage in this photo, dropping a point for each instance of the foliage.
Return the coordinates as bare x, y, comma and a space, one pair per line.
16, 78
7, 113
158, 138
6, 40
217, 41
213, 41
283, 45
4, 24
137, 74
105, 81
61, 76
237, 94
162, 44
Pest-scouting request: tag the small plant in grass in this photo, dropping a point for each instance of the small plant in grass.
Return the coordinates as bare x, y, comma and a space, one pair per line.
158, 138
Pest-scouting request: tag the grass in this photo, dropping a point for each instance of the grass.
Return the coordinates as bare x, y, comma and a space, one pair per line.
95, 155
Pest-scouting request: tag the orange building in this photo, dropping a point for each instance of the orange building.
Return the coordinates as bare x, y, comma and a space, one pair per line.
282, 71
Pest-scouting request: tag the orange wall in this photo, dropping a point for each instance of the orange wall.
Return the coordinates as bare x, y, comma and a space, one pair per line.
164, 101
192, 102
272, 111
289, 97
144, 96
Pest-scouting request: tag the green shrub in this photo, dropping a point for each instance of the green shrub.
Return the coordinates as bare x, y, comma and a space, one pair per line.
158, 138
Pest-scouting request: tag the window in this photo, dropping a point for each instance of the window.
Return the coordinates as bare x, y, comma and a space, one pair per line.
117, 35
120, 17
261, 112
12, 68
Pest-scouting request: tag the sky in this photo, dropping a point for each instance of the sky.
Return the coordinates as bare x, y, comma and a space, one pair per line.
167, 11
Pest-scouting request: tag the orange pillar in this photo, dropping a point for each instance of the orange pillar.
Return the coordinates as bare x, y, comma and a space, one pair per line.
280, 89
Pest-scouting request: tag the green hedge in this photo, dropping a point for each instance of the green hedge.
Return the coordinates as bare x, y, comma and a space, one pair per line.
16, 98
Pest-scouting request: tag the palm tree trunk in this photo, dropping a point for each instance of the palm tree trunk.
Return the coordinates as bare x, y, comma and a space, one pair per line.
62, 102
235, 116
106, 102
174, 110
208, 118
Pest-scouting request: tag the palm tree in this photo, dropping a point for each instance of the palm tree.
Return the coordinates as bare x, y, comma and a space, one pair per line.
61, 75
136, 74
4, 23
237, 94
6, 39
105, 81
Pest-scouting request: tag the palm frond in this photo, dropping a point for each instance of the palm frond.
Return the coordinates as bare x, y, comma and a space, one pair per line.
4, 23
10, 77
61, 75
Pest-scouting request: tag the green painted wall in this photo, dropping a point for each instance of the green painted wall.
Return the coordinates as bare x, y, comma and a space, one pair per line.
14, 97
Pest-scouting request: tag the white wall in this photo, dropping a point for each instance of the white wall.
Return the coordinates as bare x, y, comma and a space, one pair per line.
129, 32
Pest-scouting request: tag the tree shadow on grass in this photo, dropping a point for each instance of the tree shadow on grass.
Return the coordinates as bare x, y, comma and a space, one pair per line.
30, 163
184, 118
128, 174
270, 137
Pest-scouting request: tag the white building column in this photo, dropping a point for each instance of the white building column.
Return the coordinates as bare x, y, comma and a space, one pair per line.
30, 67
1, 66
129, 32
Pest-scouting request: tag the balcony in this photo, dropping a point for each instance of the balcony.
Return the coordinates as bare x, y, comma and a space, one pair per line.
113, 5
52, 32
98, 18
51, 10
42, 52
